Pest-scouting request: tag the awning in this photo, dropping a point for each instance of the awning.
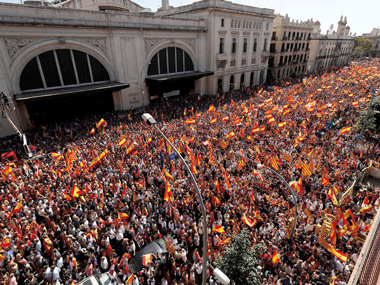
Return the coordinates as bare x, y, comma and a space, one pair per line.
70, 91
178, 76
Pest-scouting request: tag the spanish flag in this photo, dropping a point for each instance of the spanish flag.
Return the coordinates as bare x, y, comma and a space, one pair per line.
282, 124
224, 241
256, 173
103, 154
122, 142
211, 108
101, 123
122, 216
94, 162
275, 258
17, 208
92, 131
5, 243
7, 171
237, 121
218, 229
189, 122
217, 186
225, 119
146, 259
75, 192
167, 174
271, 120
213, 121
249, 222
131, 148
67, 197
230, 135
332, 235
57, 156
345, 130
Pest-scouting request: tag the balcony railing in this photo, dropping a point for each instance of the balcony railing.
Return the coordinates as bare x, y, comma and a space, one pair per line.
285, 38
274, 38
284, 50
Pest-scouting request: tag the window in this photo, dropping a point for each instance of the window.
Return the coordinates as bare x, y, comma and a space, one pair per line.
233, 50
63, 67
170, 60
232, 63
251, 78
253, 60
243, 61
221, 45
232, 82
245, 45
222, 22
265, 44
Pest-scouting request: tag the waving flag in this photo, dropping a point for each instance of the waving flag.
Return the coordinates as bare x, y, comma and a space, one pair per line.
94, 162
345, 130
167, 193
146, 259
101, 123
256, 173
213, 121
92, 131
8, 170
225, 119
211, 108
122, 142
249, 222
189, 122
167, 174
122, 216
218, 229
5, 243
275, 258
230, 135
75, 192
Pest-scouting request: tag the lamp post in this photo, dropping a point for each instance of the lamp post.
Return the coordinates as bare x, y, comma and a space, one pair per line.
259, 165
142, 83
151, 121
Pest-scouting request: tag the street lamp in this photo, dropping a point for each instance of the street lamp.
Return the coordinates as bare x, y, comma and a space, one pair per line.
152, 122
259, 165
142, 83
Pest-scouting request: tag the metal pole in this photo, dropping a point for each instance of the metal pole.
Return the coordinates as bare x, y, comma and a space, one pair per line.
199, 195
286, 183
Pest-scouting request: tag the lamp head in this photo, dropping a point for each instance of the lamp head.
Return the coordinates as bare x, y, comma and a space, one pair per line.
149, 119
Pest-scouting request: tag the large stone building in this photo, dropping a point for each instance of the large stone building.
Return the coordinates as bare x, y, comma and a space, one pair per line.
290, 45
116, 55
374, 36
332, 49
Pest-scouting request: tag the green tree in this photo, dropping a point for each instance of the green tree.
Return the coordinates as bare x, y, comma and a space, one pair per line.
362, 46
239, 261
370, 121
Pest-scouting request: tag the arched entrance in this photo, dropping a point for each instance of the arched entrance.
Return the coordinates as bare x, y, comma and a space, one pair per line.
232, 82
242, 78
64, 83
171, 73
220, 85
251, 79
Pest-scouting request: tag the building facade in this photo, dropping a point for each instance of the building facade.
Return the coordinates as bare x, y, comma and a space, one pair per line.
290, 46
332, 49
374, 36
115, 55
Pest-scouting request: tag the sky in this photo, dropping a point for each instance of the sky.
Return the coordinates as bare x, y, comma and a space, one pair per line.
362, 16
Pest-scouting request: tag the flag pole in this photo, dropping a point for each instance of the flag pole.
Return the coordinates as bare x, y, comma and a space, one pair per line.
151, 121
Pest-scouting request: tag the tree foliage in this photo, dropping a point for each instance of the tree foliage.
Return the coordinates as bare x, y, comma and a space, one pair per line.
239, 261
362, 46
370, 122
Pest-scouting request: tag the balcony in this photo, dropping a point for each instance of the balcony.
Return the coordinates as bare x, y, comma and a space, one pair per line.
307, 48
285, 38
274, 38
281, 64
284, 50
298, 38
265, 53
296, 49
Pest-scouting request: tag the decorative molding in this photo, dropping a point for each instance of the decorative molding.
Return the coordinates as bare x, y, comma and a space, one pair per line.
15, 44
99, 43
150, 43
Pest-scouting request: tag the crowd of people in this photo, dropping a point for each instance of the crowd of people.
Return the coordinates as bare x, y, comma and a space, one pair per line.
108, 185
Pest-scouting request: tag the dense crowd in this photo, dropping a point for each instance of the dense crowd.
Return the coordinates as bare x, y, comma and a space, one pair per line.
105, 189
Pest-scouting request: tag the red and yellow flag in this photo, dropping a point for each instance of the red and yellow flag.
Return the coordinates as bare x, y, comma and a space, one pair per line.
7, 171
122, 216
92, 131
230, 135
325, 179
306, 170
122, 142
5, 243
146, 259
218, 229
94, 162
211, 108
75, 192
130, 279
189, 122
101, 123
167, 193
275, 258
66, 196
249, 222
167, 174
345, 130
332, 235
332, 197
103, 154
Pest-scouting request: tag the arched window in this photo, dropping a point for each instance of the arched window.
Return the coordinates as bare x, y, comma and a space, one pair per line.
242, 77
170, 60
220, 85
251, 79
60, 68
232, 82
